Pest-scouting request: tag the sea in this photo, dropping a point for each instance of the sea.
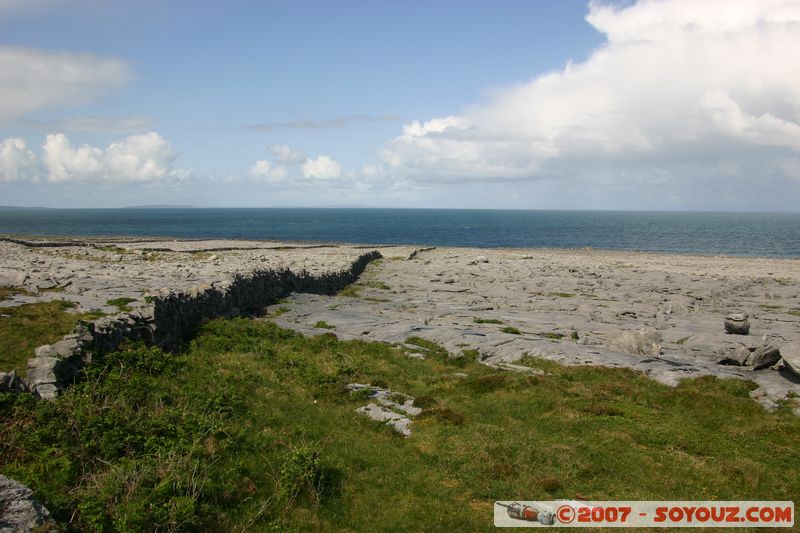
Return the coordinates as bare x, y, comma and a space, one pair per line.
712, 233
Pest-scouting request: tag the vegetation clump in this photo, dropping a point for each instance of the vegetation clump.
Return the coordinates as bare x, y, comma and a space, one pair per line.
252, 427
24, 328
121, 303
479, 320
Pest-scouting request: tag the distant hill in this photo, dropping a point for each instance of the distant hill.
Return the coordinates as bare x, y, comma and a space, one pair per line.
158, 207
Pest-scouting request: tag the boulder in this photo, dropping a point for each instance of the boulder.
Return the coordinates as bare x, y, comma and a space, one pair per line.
764, 356
737, 324
11, 382
646, 341
19, 510
791, 357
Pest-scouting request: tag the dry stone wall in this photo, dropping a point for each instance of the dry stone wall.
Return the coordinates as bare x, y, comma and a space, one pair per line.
171, 319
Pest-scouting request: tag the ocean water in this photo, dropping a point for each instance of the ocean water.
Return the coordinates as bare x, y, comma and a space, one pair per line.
748, 234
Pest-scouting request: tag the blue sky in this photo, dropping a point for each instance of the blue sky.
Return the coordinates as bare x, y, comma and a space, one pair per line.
517, 104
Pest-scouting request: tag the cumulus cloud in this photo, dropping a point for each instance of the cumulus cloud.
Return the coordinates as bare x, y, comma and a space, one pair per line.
33, 79
322, 168
678, 86
138, 158
293, 168
17, 162
263, 170
286, 154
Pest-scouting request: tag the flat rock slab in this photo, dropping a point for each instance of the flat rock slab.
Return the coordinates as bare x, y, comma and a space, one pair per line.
662, 315
91, 272
388, 409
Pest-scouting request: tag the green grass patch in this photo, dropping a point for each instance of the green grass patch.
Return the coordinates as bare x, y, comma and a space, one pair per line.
479, 320
562, 294
114, 250
251, 428
471, 354
121, 303
552, 335
26, 327
351, 291
8, 292
511, 330
282, 310
770, 307
323, 325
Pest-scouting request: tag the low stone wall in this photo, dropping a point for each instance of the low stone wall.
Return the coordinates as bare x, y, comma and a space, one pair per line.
172, 318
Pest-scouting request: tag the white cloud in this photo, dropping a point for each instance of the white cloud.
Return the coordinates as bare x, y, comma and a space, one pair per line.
678, 86
286, 154
93, 124
33, 79
322, 168
293, 169
263, 170
17, 162
139, 158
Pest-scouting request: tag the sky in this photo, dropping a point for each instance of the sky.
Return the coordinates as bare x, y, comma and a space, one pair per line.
508, 104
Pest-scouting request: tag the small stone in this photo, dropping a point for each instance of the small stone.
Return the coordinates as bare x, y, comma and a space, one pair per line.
737, 324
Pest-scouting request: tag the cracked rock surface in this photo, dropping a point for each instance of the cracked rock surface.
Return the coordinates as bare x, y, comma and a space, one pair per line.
662, 315
90, 272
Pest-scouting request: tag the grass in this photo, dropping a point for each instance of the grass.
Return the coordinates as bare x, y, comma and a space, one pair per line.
200, 255
511, 330
323, 325
351, 291
354, 290
7, 292
251, 428
552, 336
770, 307
114, 249
26, 327
279, 311
121, 303
562, 294
479, 320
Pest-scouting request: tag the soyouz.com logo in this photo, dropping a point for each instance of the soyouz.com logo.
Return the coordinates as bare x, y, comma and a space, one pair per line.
573, 513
